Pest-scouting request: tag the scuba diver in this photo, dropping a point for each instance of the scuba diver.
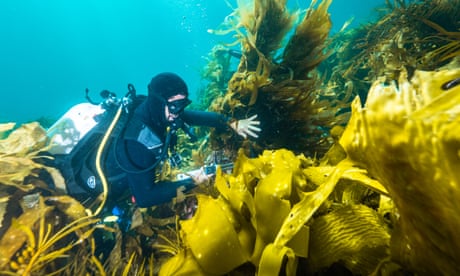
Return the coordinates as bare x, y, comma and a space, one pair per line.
138, 145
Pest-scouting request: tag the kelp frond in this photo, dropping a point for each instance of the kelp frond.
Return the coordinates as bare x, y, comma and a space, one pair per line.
169, 247
407, 137
272, 25
407, 36
42, 247
310, 36
44, 254
354, 235
24, 140
262, 218
284, 88
18, 154
170, 241
450, 49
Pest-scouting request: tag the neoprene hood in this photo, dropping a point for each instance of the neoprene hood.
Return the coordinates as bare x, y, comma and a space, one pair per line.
167, 85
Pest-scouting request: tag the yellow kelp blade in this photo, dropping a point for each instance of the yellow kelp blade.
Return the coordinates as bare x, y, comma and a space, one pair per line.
407, 138
360, 177
213, 223
69, 206
13, 170
354, 235
272, 260
28, 138
234, 188
302, 211
15, 237
182, 264
272, 203
4, 128
299, 215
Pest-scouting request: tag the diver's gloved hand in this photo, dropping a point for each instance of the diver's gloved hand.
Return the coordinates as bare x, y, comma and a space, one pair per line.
247, 127
200, 177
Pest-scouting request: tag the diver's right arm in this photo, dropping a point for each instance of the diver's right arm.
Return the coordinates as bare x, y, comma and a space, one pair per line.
145, 190
148, 193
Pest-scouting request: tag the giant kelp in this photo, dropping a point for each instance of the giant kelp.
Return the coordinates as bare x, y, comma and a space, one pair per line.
383, 199
390, 52
262, 218
391, 206
407, 137
35, 237
276, 77
306, 47
406, 36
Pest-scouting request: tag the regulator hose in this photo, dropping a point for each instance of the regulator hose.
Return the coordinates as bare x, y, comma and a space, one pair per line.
100, 150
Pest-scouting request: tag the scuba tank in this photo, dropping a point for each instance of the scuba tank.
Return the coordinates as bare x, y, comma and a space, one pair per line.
70, 129
66, 132
80, 142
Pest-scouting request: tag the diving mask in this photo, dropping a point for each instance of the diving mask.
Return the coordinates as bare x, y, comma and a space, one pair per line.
177, 107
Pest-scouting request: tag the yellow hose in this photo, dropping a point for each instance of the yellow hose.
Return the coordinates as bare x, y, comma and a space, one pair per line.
105, 188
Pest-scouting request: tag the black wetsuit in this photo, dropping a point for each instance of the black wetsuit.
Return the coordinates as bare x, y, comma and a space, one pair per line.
142, 146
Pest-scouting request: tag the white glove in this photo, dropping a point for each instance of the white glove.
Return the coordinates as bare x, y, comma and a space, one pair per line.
199, 176
246, 127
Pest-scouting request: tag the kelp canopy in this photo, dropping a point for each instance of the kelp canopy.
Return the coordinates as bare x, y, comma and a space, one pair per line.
276, 77
372, 191
409, 36
300, 82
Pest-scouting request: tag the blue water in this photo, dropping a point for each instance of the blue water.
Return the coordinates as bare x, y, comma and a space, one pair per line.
51, 50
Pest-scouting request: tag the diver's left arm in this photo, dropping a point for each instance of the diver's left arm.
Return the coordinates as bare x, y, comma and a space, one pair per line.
245, 127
